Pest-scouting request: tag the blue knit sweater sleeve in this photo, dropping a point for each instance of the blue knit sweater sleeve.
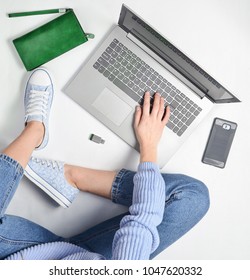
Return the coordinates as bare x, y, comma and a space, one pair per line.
138, 237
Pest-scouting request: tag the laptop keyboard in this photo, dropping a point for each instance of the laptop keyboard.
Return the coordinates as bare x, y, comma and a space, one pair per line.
132, 75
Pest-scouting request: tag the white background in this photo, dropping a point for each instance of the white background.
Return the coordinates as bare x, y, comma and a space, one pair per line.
215, 34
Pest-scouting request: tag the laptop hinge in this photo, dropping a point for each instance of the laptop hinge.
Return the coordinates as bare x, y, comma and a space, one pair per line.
145, 46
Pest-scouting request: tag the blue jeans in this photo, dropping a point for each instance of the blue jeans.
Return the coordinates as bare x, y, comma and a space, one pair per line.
187, 201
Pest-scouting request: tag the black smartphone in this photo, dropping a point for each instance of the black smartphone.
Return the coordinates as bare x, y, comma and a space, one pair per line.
219, 142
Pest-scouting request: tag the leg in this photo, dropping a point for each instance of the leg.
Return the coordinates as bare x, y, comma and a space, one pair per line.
22, 148
90, 180
187, 201
15, 232
14, 159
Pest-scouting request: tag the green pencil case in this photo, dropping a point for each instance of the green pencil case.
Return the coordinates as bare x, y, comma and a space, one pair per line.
50, 40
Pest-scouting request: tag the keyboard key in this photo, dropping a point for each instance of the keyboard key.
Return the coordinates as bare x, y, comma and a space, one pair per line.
126, 73
182, 130
112, 60
133, 61
164, 94
112, 45
138, 65
184, 119
132, 77
125, 80
111, 68
174, 104
139, 75
154, 87
175, 121
162, 85
190, 120
118, 49
122, 69
119, 58
129, 66
103, 62
130, 84
134, 70
101, 69
142, 85
196, 113
147, 73
117, 64
120, 76
141, 92
96, 65
126, 89
169, 99
152, 77
135, 88
179, 124
176, 129
124, 62
137, 81
178, 98
115, 72
157, 81
128, 57
114, 54
168, 89
111, 77
109, 50
123, 53
106, 73
192, 109
149, 83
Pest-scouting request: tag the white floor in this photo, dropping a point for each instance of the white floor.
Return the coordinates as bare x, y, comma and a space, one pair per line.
216, 35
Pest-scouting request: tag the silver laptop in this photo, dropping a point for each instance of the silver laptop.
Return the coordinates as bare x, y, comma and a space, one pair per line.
135, 58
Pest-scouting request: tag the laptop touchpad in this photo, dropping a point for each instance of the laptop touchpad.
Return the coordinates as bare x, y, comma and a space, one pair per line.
112, 106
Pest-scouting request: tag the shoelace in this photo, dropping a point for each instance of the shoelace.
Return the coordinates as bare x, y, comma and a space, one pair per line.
48, 162
37, 104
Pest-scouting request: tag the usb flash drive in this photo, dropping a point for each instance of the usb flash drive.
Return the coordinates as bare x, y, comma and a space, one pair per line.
96, 139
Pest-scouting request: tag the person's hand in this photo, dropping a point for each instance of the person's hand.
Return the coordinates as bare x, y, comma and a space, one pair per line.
149, 126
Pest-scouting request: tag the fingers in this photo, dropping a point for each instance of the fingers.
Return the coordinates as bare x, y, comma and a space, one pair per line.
138, 113
146, 104
166, 116
156, 104
158, 110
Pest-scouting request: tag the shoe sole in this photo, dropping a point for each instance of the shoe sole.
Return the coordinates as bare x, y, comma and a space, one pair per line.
47, 188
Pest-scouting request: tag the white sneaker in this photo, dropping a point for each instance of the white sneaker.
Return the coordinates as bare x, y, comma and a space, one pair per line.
38, 100
49, 176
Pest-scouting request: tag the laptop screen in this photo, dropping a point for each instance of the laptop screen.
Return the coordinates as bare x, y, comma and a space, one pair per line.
182, 66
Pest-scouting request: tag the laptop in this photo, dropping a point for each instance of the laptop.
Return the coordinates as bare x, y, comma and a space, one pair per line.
135, 58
